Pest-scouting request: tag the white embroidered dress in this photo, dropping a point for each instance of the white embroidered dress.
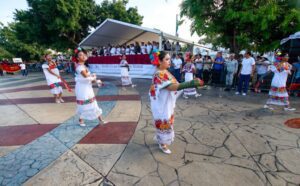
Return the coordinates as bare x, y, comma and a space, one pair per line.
87, 107
162, 106
278, 94
189, 69
126, 80
52, 81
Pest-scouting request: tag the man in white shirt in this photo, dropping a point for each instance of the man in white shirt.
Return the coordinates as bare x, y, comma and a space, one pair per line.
247, 70
143, 48
23, 69
149, 47
177, 64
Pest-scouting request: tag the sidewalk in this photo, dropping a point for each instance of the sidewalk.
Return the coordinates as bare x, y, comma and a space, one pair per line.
221, 139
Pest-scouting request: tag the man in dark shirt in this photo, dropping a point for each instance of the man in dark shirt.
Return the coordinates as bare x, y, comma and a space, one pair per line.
218, 65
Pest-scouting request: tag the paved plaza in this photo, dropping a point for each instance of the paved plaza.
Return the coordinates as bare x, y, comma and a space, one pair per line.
221, 139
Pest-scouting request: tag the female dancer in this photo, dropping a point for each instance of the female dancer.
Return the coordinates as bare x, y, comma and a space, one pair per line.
87, 107
53, 78
163, 94
278, 94
126, 80
189, 70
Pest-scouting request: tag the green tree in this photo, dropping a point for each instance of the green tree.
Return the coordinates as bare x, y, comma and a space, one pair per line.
62, 24
243, 24
117, 10
11, 46
55, 23
4, 54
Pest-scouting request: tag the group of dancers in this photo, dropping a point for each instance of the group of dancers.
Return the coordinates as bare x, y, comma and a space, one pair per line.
164, 90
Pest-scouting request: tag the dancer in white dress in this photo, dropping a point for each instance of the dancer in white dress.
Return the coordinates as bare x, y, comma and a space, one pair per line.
53, 78
163, 94
189, 69
125, 78
278, 94
87, 107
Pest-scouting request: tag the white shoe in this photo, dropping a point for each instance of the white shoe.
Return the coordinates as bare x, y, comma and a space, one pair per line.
244, 94
289, 109
133, 85
165, 149
61, 100
268, 107
104, 122
185, 97
57, 101
198, 95
82, 124
237, 93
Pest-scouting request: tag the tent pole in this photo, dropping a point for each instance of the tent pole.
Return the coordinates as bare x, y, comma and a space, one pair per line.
160, 42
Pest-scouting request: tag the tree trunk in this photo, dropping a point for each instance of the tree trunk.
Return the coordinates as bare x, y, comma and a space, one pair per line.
235, 46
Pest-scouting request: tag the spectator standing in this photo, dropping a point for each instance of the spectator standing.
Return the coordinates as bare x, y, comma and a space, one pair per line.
231, 68
207, 63
23, 69
1, 69
132, 49
177, 64
177, 47
127, 51
113, 51
137, 48
218, 66
143, 48
149, 47
199, 65
247, 70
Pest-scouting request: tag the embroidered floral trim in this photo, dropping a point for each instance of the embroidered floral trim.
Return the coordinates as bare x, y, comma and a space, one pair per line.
278, 89
85, 102
161, 79
164, 124
54, 85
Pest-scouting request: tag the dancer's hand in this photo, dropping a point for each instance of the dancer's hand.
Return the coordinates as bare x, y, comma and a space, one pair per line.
201, 82
58, 76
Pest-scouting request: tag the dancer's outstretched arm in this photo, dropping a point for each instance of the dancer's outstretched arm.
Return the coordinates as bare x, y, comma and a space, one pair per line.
191, 84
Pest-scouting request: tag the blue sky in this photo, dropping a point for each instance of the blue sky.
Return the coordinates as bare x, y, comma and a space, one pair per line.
160, 14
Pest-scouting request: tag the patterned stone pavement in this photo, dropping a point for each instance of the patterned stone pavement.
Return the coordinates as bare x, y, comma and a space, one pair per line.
31, 148
221, 139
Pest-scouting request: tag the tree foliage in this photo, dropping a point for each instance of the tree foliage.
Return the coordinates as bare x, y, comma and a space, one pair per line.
59, 24
243, 24
11, 46
117, 10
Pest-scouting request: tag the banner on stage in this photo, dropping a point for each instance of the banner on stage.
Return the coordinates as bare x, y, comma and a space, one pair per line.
136, 70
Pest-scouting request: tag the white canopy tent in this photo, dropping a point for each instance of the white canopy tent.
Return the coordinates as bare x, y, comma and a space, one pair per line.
119, 33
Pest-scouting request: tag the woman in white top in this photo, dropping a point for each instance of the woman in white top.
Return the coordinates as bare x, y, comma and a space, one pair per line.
132, 49
87, 107
189, 70
149, 47
125, 78
163, 94
118, 51
143, 48
113, 51
127, 51
53, 78
278, 94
